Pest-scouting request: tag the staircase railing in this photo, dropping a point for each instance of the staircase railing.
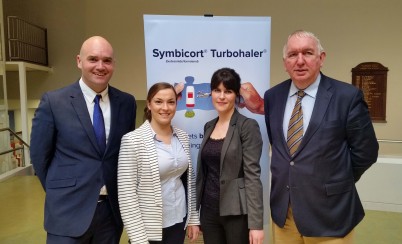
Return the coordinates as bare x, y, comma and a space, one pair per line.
15, 148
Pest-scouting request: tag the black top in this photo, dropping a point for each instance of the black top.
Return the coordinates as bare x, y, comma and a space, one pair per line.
210, 156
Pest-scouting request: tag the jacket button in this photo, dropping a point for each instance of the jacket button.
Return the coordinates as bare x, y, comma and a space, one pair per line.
292, 163
287, 187
222, 182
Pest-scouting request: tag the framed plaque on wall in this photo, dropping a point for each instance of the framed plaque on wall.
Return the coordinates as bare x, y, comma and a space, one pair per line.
371, 78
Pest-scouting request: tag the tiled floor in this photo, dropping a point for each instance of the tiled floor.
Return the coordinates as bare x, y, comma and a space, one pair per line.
21, 217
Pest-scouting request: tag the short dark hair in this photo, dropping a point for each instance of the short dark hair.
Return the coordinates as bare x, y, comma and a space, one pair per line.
155, 88
228, 77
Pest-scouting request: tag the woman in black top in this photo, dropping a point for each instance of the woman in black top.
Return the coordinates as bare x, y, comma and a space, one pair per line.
229, 189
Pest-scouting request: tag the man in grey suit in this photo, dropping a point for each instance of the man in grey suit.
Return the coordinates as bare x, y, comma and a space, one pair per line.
318, 158
76, 167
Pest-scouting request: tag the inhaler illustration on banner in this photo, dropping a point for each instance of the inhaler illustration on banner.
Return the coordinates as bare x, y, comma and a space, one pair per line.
190, 100
194, 96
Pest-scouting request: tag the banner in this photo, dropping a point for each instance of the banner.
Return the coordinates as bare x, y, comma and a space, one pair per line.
189, 49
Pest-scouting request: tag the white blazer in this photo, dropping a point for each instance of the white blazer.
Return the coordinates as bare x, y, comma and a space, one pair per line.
139, 186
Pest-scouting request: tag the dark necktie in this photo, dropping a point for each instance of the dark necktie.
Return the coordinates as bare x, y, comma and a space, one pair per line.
99, 124
295, 129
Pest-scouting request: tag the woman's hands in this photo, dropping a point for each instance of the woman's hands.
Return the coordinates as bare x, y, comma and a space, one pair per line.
256, 236
192, 232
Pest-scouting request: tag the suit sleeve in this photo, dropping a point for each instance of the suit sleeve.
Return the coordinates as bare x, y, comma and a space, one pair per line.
127, 176
361, 137
43, 142
193, 213
252, 148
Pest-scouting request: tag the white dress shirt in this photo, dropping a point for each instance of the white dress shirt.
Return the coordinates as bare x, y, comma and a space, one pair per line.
307, 105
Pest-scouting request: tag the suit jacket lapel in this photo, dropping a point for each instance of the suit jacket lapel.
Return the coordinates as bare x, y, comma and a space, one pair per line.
208, 131
281, 100
228, 137
80, 107
322, 101
152, 159
114, 113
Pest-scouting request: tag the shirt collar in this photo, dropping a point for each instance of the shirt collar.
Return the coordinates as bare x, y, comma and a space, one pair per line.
311, 90
89, 93
154, 134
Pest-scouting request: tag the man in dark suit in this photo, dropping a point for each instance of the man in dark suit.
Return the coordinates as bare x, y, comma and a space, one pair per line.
77, 167
313, 192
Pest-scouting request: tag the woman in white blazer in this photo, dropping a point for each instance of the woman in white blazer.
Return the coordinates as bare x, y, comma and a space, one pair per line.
156, 185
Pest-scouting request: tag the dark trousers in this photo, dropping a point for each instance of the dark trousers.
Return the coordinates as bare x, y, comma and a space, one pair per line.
103, 229
174, 234
232, 229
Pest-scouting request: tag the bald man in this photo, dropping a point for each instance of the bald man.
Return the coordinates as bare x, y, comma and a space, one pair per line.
76, 167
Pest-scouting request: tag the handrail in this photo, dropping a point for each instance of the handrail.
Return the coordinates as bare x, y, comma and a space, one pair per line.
11, 150
390, 141
14, 134
24, 144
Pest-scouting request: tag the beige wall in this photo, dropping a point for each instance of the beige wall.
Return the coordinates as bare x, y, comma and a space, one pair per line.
352, 32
